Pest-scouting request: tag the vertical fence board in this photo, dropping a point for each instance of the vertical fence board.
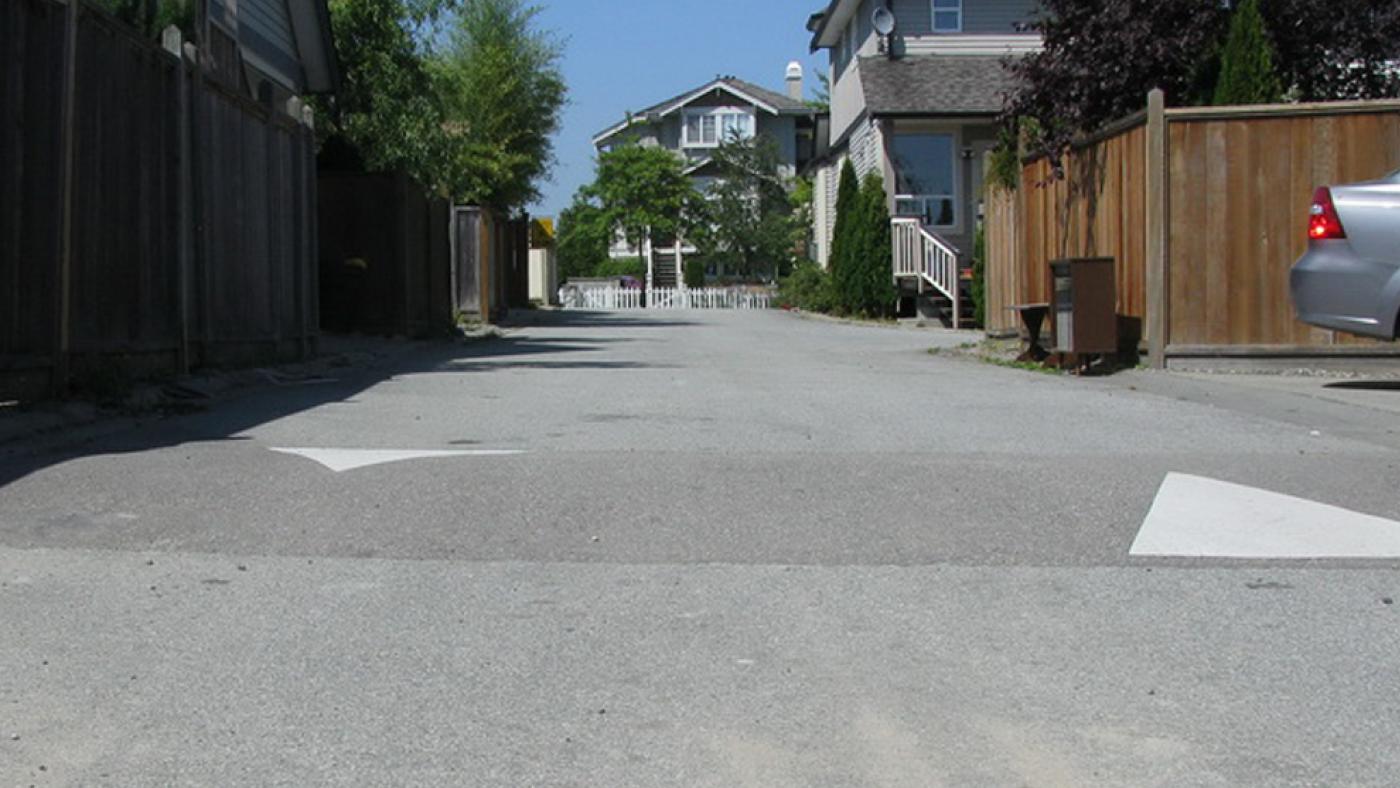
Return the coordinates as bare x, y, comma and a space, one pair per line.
1257, 174
1003, 264
1239, 183
31, 45
127, 192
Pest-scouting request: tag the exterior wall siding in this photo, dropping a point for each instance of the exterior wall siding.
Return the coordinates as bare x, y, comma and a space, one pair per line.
269, 18
824, 218
915, 17
866, 153
847, 103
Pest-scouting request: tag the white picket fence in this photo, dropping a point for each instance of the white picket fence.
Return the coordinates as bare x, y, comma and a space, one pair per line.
622, 298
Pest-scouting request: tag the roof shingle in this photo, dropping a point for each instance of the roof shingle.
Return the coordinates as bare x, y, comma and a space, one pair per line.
935, 85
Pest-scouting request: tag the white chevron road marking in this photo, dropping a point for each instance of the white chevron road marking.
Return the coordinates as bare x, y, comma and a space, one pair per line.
1204, 518
342, 460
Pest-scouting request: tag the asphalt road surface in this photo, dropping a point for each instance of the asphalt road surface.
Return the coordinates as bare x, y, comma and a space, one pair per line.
727, 549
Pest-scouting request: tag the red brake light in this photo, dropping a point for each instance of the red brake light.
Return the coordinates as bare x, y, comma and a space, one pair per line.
1323, 222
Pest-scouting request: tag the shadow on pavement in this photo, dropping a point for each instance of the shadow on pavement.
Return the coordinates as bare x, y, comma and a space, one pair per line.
587, 319
1365, 385
225, 418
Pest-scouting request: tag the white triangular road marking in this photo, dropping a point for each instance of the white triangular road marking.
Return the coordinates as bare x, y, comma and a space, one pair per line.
341, 460
1204, 518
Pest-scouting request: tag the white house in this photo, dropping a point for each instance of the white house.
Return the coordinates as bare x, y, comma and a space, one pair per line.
916, 88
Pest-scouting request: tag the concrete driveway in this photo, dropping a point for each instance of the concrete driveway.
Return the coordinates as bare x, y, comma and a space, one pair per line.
709, 549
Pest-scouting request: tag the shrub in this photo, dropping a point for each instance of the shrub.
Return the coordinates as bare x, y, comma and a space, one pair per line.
842, 235
863, 284
979, 277
694, 272
623, 266
808, 288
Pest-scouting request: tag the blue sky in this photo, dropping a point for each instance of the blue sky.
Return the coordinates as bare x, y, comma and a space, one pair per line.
629, 54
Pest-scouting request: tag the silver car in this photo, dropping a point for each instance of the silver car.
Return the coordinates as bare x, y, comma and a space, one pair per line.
1349, 280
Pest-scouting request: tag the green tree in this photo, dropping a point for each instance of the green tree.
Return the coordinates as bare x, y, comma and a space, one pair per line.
750, 223
385, 115
643, 193
1247, 73
694, 272
584, 236
821, 98
847, 205
865, 286
501, 91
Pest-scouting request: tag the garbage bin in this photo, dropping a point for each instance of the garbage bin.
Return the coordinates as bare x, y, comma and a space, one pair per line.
1084, 305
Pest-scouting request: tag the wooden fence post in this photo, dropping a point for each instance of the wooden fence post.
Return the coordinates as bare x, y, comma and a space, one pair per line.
174, 43
68, 151
1158, 230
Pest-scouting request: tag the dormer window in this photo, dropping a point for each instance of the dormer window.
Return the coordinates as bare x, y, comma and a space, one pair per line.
707, 128
947, 16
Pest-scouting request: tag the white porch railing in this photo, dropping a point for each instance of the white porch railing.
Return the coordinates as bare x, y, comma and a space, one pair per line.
919, 254
660, 298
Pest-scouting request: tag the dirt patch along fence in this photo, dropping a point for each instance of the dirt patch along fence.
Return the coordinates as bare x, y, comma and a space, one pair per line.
151, 219
1204, 211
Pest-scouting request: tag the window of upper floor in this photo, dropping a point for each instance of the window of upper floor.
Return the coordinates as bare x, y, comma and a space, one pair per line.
708, 127
947, 16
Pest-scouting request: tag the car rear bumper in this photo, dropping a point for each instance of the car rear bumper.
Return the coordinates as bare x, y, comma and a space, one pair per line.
1333, 288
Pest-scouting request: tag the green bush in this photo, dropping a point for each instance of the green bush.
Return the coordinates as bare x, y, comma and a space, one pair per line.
623, 266
842, 235
979, 277
863, 285
695, 273
808, 288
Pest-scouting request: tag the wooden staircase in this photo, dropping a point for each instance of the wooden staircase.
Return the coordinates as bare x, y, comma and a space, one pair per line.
664, 269
932, 267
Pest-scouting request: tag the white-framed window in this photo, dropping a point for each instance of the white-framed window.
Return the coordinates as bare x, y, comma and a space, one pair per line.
707, 128
947, 16
926, 178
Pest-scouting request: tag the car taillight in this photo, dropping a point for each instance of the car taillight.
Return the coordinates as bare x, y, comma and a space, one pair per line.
1323, 222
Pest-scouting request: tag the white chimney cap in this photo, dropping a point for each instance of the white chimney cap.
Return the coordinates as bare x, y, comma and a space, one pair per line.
794, 70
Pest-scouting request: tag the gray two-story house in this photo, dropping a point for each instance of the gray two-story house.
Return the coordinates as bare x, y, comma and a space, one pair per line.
273, 49
919, 107
694, 123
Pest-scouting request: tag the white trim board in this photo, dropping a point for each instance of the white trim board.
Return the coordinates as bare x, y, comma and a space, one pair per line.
718, 84
1196, 517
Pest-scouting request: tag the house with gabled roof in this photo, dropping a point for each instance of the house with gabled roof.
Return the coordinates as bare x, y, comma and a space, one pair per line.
694, 123
916, 90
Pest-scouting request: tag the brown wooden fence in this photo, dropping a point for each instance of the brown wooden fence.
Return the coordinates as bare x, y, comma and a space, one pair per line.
1204, 211
385, 256
148, 217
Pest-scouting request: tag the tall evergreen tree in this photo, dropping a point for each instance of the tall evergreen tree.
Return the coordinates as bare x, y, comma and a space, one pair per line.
1247, 72
868, 288
847, 206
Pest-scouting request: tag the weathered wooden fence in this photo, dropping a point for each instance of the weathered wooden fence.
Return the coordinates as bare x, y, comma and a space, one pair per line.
149, 218
385, 259
1204, 211
490, 262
